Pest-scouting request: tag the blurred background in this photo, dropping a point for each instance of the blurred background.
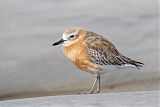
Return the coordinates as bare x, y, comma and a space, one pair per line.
30, 66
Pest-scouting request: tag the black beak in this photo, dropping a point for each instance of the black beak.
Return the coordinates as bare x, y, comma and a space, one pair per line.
59, 42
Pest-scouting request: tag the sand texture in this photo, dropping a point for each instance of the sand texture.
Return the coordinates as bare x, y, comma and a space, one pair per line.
125, 99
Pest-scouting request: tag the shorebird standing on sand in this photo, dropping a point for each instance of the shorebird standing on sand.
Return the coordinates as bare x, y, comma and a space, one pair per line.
93, 53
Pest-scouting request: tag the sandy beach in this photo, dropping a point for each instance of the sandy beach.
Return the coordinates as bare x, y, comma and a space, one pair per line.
121, 99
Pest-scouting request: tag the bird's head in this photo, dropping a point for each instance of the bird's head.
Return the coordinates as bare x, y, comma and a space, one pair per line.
71, 36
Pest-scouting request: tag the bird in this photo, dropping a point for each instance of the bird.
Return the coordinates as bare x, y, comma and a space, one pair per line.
93, 53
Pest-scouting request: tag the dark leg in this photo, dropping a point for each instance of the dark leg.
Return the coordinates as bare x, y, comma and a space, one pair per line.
99, 83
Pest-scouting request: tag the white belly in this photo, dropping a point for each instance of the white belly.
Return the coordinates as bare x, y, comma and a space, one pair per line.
108, 68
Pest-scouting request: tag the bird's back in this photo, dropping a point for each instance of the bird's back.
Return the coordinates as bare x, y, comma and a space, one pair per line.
103, 52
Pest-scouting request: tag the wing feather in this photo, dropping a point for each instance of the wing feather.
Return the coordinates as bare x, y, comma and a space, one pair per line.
103, 52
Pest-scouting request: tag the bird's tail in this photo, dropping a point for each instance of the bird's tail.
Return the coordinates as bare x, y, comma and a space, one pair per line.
132, 62
137, 64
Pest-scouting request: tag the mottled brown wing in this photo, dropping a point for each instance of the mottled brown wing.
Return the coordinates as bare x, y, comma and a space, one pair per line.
103, 52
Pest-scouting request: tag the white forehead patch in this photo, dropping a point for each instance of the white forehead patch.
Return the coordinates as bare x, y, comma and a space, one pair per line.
64, 36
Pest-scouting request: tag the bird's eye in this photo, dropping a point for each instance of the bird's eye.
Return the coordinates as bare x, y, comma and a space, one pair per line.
73, 37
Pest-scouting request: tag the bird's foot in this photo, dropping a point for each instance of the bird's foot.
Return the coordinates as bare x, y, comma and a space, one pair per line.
90, 92
97, 91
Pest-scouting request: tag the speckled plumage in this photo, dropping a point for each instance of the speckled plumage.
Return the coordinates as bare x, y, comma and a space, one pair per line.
103, 52
93, 53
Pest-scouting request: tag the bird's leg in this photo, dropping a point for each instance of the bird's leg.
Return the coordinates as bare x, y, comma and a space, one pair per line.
99, 83
93, 86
